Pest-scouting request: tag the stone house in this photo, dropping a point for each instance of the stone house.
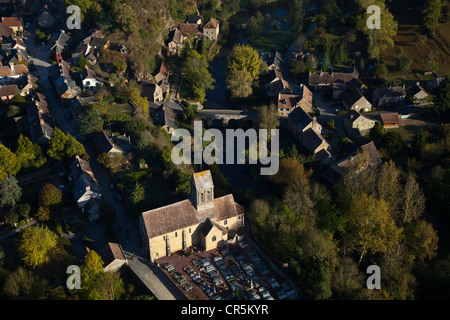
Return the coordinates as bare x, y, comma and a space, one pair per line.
287, 102
390, 120
152, 91
356, 121
177, 43
202, 220
418, 93
211, 29
389, 96
113, 257
353, 99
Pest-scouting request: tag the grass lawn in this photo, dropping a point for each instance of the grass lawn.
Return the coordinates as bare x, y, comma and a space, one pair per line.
274, 40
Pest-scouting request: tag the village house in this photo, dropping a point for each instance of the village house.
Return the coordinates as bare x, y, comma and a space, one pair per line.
85, 188
177, 43
194, 18
15, 23
388, 96
419, 94
273, 60
275, 83
113, 257
289, 101
7, 92
353, 99
390, 120
303, 57
300, 121
89, 79
202, 220
152, 91
340, 170
211, 29
162, 79
91, 47
108, 143
319, 80
60, 50
12, 73
355, 122
63, 81
164, 117
189, 30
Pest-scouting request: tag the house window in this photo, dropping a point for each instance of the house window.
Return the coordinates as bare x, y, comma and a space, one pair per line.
189, 230
213, 238
176, 235
164, 237
225, 222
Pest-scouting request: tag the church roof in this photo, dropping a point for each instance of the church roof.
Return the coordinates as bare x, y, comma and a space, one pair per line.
183, 214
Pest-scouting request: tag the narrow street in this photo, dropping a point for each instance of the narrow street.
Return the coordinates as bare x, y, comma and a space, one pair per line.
129, 237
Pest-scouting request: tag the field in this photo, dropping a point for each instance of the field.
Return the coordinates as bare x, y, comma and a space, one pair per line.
274, 40
412, 40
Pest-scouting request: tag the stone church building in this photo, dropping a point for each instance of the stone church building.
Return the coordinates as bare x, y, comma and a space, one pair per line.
201, 220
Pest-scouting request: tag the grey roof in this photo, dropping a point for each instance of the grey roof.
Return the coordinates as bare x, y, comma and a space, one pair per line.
202, 180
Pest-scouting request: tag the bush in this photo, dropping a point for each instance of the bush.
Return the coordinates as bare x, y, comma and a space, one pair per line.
404, 64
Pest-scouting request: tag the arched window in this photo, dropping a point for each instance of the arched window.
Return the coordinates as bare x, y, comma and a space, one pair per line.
202, 197
213, 238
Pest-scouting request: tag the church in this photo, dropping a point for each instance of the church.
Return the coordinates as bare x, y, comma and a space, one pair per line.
201, 220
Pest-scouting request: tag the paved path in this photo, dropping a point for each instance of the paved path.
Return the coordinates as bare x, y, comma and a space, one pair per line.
129, 236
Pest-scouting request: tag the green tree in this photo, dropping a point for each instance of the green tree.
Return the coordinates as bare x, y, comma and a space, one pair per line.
381, 71
9, 164
62, 145
138, 100
50, 196
244, 58
196, 78
404, 64
239, 83
36, 245
378, 39
432, 13
29, 154
10, 192
90, 121
138, 193
91, 273
442, 102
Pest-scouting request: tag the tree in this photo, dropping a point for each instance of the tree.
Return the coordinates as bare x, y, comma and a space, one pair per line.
43, 214
404, 64
239, 83
138, 193
244, 58
196, 78
372, 226
347, 279
138, 100
442, 102
255, 25
268, 118
50, 196
10, 192
378, 39
381, 71
388, 185
9, 165
432, 13
91, 273
29, 154
90, 120
413, 201
62, 145
36, 245
422, 239
24, 284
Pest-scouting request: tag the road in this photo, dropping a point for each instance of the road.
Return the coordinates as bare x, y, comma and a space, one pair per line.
128, 233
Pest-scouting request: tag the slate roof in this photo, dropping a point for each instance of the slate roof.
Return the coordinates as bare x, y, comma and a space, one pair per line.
351, 96
61, 42
312, 139
80, 167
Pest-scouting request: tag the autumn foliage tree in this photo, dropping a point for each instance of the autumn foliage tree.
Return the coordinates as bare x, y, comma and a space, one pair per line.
36, 245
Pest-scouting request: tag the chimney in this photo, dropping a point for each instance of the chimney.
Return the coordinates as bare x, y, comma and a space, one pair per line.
88, 188
11, 65
41, 121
